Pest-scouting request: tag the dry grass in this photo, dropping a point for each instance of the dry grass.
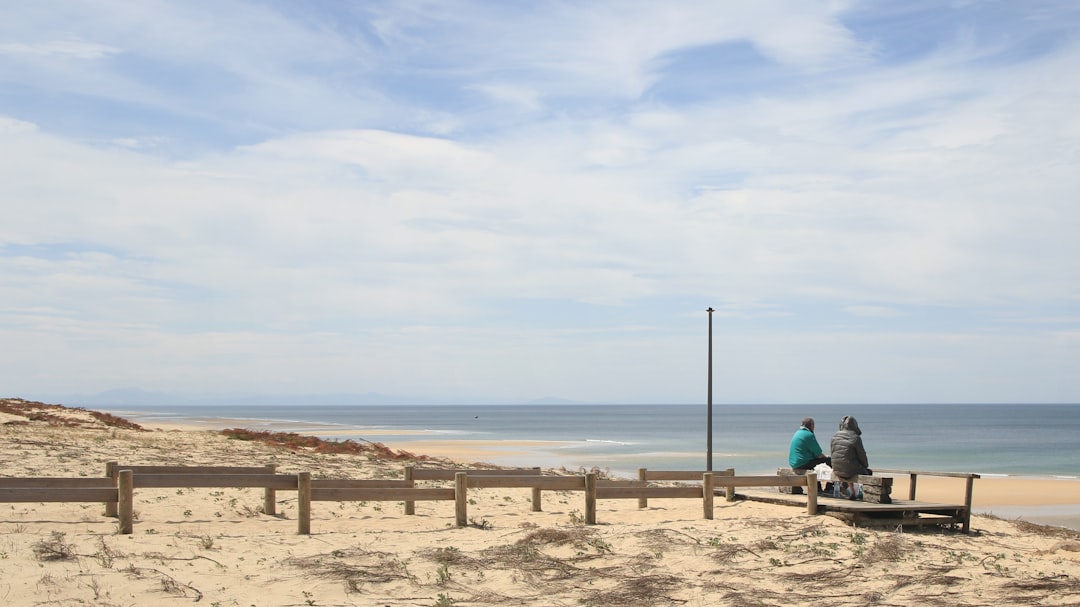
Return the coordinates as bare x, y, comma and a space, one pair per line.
644, 591
356, 568
890, 548
56, 548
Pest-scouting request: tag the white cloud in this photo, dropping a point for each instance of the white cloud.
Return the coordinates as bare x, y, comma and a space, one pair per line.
75, 49
403, 192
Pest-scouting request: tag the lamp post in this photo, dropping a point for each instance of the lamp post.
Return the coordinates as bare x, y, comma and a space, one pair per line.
708, 435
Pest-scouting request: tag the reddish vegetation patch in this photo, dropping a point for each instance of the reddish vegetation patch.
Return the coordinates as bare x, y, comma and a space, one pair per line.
114, 421
294, 441
54, 414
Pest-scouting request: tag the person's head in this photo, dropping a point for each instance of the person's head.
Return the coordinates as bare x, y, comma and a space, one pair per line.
849, 423
808, 423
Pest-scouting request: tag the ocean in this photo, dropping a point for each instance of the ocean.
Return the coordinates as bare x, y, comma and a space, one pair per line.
1025, 440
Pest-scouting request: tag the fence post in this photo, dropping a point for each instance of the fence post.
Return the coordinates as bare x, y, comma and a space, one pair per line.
303, 503
811, 492
461, 506
966, 527
126, 496
536, 500
590, 498
729, 490
642, 474
270, 495
110, 472
707, 494
911, 487
410, 507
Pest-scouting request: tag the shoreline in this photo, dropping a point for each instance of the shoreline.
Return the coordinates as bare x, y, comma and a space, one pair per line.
437, 444
1045, 499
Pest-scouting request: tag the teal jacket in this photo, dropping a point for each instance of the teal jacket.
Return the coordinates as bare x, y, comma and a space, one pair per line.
804, 448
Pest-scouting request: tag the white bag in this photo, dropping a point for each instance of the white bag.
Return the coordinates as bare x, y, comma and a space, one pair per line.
824, 472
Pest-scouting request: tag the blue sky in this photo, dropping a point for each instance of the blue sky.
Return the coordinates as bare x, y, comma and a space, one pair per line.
502, 201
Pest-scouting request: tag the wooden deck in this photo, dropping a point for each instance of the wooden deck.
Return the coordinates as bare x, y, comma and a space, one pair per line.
900, 513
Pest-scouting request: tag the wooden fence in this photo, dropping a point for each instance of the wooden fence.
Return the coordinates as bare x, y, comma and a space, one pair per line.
269, 494
128, 480
969, 488
413, 474
645, 475
116, 490
52, 489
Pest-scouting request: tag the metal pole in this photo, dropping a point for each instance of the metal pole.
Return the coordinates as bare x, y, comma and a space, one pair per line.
708, 440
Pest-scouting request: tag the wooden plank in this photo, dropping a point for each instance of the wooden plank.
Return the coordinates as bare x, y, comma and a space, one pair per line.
441, 474
611, 493
590, 499
192, 469
125, 507
548, 483
925, 473
303, 503
39, 482
348, 483
920, 521
379, 494
58, 494
759, 481
461, 508
110, 473
906, 513
681, 475
620, 483
270, 494
221, 481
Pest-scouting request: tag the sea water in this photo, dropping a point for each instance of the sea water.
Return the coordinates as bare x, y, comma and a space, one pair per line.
1034, 440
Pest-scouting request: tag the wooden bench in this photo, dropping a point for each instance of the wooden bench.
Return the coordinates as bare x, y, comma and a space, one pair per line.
876, 489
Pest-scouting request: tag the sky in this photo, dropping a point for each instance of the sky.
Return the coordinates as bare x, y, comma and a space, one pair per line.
499, 201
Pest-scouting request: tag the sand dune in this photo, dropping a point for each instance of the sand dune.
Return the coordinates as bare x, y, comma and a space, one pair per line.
215, 547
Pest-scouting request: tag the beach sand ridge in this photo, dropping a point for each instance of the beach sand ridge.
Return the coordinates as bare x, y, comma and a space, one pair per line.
215, 547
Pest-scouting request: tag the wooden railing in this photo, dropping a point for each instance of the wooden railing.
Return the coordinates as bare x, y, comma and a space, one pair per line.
52, 489
645, 475
120, 496
128, 480
413, 474
269, 496
969, 487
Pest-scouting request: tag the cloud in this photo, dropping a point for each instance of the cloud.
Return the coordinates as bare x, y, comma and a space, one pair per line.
533, 201
75, 49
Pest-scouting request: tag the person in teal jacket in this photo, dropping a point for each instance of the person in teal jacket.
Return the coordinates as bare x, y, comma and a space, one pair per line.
805, 452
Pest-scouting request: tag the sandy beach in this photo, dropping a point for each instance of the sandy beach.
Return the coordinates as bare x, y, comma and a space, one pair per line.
215, 546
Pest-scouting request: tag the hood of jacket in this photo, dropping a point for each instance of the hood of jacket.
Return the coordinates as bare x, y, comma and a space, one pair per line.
849, 423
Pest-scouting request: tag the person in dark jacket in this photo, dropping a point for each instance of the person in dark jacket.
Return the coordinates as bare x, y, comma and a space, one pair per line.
848, 454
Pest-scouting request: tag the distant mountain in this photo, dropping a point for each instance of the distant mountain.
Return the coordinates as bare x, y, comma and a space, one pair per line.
553, 400
137, 396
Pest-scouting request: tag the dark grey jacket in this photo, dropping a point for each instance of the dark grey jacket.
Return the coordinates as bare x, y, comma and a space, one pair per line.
848, 453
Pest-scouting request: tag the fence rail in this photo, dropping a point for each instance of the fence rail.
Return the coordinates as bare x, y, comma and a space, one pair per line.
969, 488
269, 495
118, 487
